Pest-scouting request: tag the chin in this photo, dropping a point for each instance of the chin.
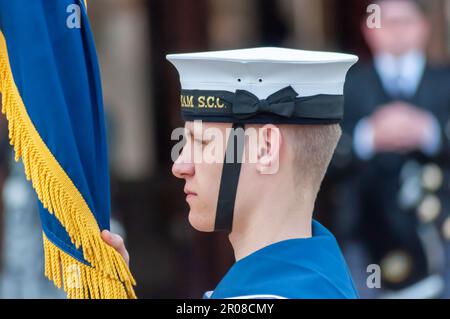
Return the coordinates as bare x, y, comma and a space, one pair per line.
201, 222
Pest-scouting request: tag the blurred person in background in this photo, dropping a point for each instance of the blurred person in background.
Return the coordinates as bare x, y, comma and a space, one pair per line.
397, 108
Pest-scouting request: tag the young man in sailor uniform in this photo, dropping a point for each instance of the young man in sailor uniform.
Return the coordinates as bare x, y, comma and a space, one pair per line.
262, 191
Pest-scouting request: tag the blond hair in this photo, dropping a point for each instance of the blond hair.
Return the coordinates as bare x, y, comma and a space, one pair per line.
313, 147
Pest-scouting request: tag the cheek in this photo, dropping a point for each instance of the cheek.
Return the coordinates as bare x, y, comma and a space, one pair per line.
207, 183
415, 35
376, 39
202, 213
385, 38
208, 176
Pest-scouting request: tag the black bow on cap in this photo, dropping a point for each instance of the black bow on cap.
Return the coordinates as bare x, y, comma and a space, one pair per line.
281, 103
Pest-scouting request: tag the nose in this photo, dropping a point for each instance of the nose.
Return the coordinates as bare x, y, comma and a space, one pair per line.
183, 166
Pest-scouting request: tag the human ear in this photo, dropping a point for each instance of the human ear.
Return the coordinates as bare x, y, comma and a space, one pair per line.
269, 145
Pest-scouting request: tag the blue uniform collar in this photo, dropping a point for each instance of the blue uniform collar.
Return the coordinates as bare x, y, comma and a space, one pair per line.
297, 268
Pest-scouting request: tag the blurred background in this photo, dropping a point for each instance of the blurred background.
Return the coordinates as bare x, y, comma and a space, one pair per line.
386, 196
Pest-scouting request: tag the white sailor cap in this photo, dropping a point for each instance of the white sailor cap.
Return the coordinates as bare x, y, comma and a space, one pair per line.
263, 85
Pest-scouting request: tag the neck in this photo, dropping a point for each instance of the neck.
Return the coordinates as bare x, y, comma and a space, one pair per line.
270, 222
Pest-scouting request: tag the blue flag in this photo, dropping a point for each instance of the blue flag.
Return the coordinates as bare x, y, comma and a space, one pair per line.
52, 99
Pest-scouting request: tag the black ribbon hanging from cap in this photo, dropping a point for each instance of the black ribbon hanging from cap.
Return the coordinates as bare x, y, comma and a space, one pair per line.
281, 107
230, 179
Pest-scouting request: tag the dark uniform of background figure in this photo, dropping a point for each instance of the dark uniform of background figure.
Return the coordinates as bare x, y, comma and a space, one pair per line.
391, 167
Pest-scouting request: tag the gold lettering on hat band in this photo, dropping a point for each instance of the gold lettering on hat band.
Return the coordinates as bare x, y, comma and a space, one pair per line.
210, 102
187, 101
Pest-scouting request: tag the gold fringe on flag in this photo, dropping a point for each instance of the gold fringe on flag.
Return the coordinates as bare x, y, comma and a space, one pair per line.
108, 276
78, 280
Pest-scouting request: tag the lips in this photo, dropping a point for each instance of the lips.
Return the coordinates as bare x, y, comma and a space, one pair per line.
188, 192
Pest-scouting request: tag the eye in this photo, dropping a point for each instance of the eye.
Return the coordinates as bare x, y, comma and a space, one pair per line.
201, 142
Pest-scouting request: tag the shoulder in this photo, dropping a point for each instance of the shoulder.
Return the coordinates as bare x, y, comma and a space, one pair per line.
361, 70
281, 281
311, 268
438, 79
360, 79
